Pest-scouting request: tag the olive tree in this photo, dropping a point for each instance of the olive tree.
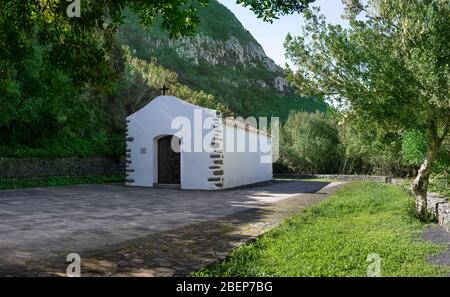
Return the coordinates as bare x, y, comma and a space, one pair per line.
389, 68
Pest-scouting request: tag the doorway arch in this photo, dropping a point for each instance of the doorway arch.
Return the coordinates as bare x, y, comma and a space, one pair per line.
168, 160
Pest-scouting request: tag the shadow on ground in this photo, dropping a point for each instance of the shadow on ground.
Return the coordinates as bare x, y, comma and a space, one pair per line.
180, 251
437, 234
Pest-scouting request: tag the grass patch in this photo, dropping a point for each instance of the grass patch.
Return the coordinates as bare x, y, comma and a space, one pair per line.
59, 181
335, 237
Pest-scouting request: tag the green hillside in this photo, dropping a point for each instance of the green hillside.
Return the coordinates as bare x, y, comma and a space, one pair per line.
222, 59
58, 101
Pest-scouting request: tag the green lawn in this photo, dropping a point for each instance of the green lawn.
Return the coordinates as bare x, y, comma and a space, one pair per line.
59, 181
335, 237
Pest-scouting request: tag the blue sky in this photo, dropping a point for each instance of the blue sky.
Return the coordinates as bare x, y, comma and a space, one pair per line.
271, 36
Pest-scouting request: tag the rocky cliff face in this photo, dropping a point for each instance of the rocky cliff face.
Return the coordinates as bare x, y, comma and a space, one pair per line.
230, 52
222, 59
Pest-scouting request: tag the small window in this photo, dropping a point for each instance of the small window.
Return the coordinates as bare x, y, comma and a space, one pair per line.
143, 150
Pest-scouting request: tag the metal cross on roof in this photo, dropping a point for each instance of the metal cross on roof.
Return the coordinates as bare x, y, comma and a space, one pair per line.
164, 89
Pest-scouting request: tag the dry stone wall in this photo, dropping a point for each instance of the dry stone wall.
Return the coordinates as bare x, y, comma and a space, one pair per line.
31, 168
440, 208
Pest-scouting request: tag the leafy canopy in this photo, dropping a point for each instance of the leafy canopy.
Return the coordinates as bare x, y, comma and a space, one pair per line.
269, 10
390, 67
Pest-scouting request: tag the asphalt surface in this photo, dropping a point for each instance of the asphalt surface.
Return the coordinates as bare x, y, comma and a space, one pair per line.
40, 223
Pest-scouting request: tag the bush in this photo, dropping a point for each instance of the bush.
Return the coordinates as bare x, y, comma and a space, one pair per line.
369, 149
310, 143
440, 183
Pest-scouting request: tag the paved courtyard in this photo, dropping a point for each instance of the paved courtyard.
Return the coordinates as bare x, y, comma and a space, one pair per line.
44, 223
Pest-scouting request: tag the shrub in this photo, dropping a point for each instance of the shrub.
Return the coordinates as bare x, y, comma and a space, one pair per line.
440, 183
310, 143
369, 149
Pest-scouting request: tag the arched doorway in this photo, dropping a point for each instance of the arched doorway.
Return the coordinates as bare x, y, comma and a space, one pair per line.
168, 160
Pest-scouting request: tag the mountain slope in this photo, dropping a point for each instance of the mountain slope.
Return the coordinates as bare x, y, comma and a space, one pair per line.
222, 59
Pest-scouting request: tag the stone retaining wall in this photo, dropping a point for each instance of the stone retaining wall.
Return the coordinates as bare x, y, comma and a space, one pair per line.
440, 208
31, 168
342, 177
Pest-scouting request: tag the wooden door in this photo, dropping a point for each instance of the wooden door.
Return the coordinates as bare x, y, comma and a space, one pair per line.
168, 161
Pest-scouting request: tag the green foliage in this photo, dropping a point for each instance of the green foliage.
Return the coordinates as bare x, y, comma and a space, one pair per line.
41, 103
310, 143
233, 84
369, 149
440, 183
150, 76
397, 75
66, 85
414, 147
389, 68
272, 9
330, 143
335, 237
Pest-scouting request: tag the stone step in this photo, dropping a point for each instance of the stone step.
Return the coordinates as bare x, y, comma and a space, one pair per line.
167, 186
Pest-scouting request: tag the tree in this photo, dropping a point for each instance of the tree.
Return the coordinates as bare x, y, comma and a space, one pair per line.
310, 143
53, 65
80, 44
269, 10
85, 40
390, 69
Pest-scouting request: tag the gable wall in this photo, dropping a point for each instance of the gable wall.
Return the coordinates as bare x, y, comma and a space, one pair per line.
143, 129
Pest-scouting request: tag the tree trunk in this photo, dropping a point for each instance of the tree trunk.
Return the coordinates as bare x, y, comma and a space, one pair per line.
420, 183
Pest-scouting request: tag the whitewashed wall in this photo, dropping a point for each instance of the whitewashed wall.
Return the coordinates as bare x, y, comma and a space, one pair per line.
198, 170
153, 121
243, 168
